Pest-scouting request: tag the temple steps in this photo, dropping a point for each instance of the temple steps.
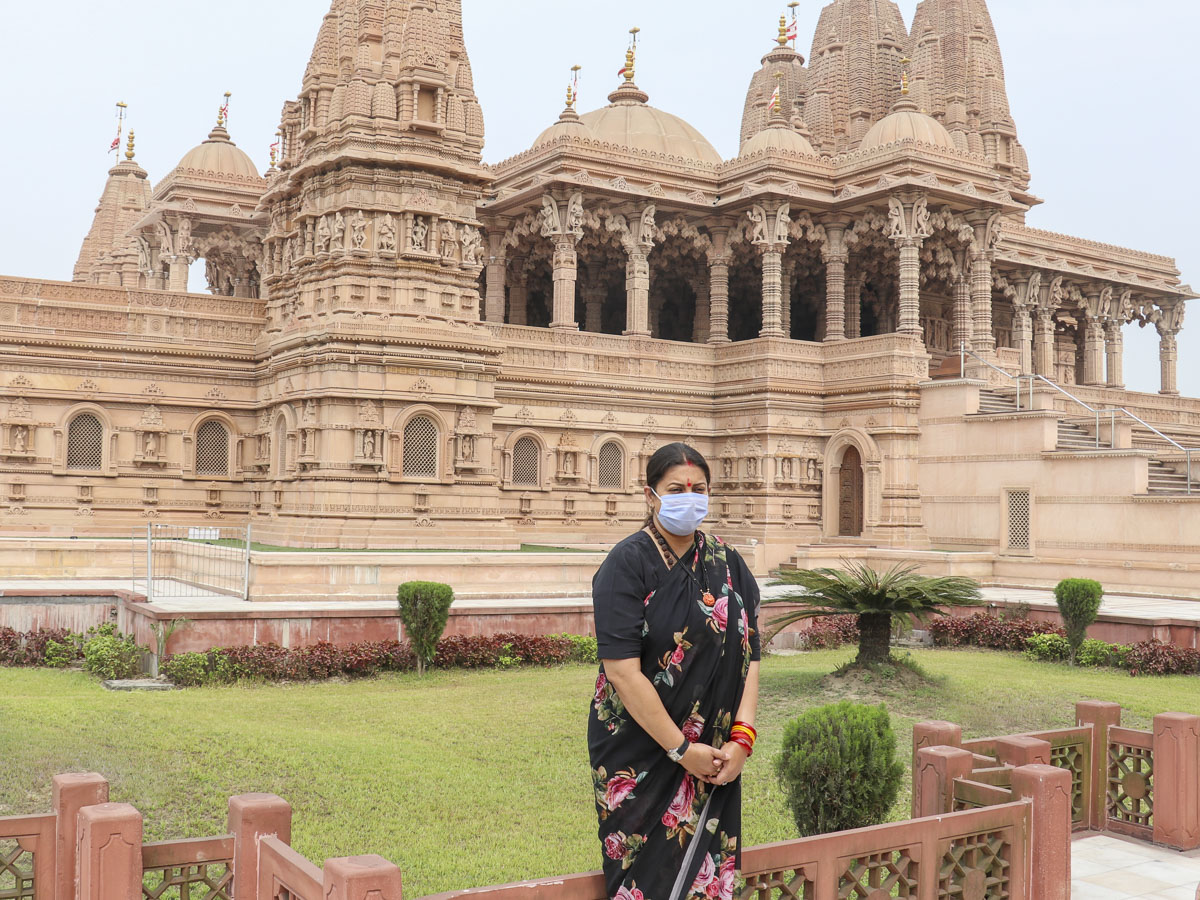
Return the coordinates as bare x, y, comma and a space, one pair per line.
1075, 437
996, 403
1166, 480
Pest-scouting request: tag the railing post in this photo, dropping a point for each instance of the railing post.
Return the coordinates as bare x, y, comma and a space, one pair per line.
70, 794
931, 734
361, 878
1019, 750
110, 852
933, 779
1101, 716
1049, 788
251, 817
1177, 780
149, 563
246, 577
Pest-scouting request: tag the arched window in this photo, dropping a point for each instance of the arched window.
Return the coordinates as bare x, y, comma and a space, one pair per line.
85, 444
612, 466
420, 448
526, 463
212, 449
281, 459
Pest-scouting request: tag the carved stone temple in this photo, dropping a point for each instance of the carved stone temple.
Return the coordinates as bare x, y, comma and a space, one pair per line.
405, 346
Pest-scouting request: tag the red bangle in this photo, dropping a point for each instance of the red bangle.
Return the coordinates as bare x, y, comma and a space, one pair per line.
745, 744
750, 728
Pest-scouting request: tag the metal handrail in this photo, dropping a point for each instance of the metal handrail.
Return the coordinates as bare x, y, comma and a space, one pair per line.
962, 366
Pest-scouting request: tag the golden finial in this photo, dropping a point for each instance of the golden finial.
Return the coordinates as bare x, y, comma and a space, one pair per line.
129, 147
223, 112
783, 31
573, 87
904, 63
631, 56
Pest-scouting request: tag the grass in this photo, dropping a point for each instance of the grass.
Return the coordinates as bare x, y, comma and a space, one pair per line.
469, 779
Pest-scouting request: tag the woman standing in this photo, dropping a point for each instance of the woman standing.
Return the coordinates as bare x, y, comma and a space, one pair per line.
672, 720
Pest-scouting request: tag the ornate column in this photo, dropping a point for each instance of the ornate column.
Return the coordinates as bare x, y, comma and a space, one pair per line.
771, 233
987, 236
497, 275
1114, 342
910, 225
701, 324
964, 324
518, 294
639, 241
1043, 332
594, 293
836, 257
854, 306
566, 267
718, 286
1169, 324
785, 298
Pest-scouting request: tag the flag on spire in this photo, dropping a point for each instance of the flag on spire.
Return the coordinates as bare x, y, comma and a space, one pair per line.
116, 144
793, 29
775, 100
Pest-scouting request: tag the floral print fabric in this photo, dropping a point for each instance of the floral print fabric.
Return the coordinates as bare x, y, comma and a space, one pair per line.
655, 818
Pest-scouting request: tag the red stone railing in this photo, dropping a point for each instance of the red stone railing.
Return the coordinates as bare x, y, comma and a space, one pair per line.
90, 849
1143, 784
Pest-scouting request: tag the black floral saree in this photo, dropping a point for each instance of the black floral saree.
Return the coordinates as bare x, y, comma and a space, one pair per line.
665, 834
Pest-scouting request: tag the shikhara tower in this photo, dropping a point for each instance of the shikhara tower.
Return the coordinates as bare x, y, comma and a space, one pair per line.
404, 346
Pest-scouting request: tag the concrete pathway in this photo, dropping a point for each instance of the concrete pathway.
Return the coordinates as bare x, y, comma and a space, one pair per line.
1106, 867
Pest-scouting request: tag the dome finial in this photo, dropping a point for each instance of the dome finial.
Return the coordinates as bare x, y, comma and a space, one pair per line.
783, 31
904, 63
630, 56
223, 112
129, 154
116, 144
573, 87
793, 32
775, 115
275, 148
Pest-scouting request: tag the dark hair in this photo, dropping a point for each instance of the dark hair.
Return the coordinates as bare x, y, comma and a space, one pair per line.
667, 458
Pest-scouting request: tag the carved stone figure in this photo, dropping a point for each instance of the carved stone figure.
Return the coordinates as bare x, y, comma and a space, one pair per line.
569, 464
896, 227
758, 217
387, 234
449, 237
369, 444
467, 442
551, 224
150, 444
420, 231
310, 411
323, 234
727, 468
922, 221
575, 215
358, 229
338, 241
648, 226
20, 438
472, 243
786, 468
143, 248
783, 222
752, 467
166, 245
183, 245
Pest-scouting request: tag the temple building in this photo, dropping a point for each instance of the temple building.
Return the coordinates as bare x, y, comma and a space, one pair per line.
404, 346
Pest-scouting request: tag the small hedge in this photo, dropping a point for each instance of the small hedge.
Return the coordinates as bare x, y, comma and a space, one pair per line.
270, 662
830, 632
985, 630
102, 650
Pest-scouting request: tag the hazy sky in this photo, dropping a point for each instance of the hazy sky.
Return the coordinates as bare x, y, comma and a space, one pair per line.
1102, 92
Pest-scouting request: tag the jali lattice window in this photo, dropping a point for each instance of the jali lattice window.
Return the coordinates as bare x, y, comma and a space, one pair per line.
526, 458
420, 448
1019, 531
281, 455
85, 443
612, 466
212, 449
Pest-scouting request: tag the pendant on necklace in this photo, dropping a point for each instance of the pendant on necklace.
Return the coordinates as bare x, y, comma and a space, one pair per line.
708, 599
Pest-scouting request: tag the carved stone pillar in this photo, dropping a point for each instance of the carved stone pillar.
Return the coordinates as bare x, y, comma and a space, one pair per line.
594, 292
1043, 342
566, 267
836, 258
700, 328
910, 226
518, 295
964, 326
1022, 327
1168, 356
1114, 341
987, 235
854, 306
785, 298
497, 275
1093, 352
178, 278
718, 286
771, 234
637, 294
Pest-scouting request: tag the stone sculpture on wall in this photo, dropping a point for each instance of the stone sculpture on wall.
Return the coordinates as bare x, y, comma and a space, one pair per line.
420, 232
338, 241
449, 239
387, 234
358, 229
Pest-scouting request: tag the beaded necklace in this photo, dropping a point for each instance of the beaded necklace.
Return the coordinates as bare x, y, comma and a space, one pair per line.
671, 558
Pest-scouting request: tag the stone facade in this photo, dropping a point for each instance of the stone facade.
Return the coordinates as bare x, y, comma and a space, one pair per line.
405, 346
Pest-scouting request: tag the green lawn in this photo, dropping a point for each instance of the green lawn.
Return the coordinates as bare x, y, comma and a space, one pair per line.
463, 779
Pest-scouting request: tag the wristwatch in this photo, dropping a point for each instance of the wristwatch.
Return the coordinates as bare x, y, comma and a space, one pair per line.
678, 753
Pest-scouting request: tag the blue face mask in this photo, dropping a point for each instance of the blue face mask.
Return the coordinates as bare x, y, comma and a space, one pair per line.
681, 514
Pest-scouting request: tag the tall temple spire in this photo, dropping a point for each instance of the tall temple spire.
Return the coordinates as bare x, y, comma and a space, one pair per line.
782, 67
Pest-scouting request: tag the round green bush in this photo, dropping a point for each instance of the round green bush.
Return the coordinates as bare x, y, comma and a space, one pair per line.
424, 610
1078, 603
1047, 648
110, 656
838, 768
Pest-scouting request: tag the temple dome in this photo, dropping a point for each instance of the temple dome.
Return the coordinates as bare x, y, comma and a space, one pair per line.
568, 126
219, 156
907, 123
778, 136
630, 122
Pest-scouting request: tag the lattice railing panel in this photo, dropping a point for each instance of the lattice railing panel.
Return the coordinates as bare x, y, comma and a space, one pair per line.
1131, 784
1072, 758
526, 470
891, 873
212, 449
85, 443
420, 448
788, 884
612, 467
1019, 528
202, 881
976, 868
16, 872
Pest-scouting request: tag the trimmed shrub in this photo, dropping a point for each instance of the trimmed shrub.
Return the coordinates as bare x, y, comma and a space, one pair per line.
830, 633
838, 768
1153, 657
583, 648
986, 630
424, 610
1093, 653
1047, 648
1078, 603
60, 655
110, 655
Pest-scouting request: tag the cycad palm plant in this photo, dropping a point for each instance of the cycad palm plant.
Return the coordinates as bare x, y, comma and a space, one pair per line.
872, 597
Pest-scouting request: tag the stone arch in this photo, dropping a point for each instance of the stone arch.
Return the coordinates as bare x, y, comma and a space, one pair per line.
192, 449
405, 437
603, 459
870, 460
108, 439
541, 453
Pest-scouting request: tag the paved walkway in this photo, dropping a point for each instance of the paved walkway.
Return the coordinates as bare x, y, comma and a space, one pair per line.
1105, 867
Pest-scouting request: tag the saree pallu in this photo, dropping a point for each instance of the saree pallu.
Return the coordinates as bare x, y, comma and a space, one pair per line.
665, 834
